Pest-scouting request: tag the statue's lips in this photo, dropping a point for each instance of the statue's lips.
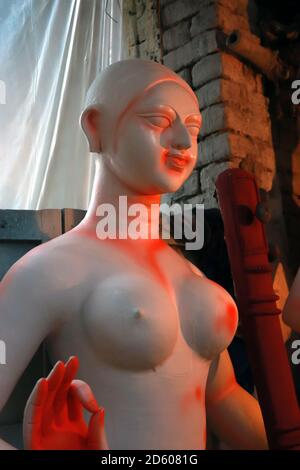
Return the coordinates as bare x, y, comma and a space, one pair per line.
176, 161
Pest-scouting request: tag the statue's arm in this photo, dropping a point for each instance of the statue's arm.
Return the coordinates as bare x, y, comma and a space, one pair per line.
25, 320
34, 300
195, 269
291, 310
232, 413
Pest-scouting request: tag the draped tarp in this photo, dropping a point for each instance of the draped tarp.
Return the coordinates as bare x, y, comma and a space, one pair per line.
50, 51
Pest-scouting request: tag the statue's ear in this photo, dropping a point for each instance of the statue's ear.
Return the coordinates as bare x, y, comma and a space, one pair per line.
90, 124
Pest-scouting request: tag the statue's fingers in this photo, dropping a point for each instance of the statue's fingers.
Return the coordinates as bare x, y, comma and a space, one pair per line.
84, 395
33, 414
96, 437
54, 380
74, 407
61, 397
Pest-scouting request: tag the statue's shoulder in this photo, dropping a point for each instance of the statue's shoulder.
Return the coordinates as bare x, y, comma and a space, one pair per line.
45, 263
55, 276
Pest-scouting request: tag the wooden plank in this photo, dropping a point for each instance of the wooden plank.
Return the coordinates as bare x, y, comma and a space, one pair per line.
20, 231
30, 225
71, 218
49, 222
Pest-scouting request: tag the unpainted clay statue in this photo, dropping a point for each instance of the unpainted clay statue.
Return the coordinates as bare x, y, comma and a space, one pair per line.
145, 331
291, 310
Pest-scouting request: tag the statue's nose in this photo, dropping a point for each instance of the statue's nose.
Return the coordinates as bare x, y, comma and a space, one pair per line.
181, 138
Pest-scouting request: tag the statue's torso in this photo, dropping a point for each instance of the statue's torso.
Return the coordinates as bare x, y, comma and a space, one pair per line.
145, 331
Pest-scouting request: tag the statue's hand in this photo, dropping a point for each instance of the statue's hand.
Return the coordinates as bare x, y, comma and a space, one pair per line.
53, 417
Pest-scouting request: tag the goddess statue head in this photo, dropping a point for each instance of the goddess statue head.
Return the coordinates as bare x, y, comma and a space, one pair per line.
143, 120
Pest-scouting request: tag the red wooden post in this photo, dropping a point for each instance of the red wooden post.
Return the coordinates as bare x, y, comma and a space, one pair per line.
247, 246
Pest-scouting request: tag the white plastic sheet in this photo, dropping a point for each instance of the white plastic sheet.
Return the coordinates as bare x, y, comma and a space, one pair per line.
50, 51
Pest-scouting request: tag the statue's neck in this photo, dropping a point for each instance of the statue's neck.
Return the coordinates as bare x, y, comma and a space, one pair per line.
109, 192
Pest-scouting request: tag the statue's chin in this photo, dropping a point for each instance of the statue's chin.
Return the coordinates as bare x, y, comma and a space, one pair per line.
156, 184
170, 186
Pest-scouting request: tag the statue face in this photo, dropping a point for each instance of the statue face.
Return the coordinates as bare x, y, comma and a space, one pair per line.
155, 143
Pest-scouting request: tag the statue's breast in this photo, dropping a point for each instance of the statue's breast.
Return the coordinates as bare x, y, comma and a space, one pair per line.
131, 321
208, 315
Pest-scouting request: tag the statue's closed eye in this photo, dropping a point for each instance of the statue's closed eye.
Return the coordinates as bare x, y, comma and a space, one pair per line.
164, 122
158, 120
193, 129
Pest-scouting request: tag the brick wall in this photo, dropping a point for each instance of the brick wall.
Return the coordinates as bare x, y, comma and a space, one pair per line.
141, 19
236, 124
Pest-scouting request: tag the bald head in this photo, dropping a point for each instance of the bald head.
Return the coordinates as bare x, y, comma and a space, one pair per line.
116, 88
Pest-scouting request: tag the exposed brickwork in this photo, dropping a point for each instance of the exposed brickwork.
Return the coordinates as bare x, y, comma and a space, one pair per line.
142, 29
230, 92
199, 47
